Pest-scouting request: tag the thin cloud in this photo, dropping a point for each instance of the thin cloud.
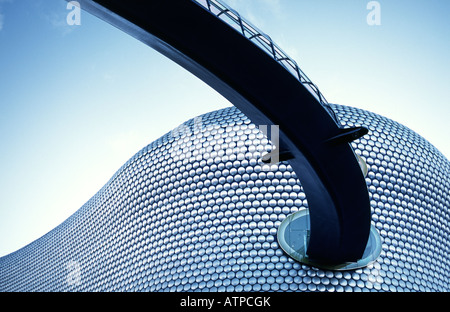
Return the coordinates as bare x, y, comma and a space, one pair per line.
247, 8
58, 21
274, 6
2, 16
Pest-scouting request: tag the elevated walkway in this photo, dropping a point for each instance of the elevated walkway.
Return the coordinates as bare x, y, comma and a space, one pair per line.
214, 43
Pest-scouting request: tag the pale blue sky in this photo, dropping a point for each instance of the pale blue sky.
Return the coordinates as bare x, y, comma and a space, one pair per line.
76, 102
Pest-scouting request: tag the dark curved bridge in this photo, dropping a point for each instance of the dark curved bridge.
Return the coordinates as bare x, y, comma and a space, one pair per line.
214, 43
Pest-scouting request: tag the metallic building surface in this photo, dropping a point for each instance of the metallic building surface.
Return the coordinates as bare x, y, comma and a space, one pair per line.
197, 210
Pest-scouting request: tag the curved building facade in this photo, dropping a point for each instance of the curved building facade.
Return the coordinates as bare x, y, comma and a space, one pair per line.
197, 210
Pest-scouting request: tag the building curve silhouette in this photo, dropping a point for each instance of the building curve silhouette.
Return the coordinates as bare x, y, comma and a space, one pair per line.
197, 210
